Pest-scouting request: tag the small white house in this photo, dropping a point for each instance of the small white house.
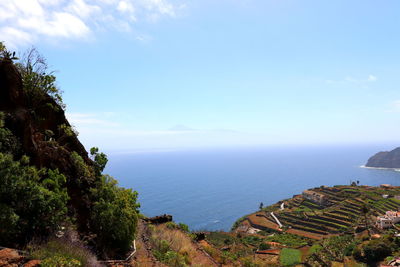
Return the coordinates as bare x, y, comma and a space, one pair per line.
387, 220
383, 223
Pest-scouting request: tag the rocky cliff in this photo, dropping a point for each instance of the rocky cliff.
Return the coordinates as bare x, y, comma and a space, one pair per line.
31, 126
385, 159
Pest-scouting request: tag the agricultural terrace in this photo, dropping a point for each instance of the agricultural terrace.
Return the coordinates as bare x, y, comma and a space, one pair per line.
325, 211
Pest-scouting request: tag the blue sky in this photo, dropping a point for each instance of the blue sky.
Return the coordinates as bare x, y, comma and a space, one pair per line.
166, 74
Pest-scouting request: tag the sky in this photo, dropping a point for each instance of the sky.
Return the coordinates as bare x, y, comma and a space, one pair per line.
142, 75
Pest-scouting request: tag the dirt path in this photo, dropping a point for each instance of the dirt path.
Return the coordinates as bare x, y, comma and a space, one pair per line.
144, 256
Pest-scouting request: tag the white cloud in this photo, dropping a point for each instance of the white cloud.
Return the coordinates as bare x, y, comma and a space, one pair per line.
15, 36
82, 9
125, 6
24, 22
81, 120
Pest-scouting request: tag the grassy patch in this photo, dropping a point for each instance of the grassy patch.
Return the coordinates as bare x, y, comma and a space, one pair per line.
220, 239
60, 250
290, 257
288, 240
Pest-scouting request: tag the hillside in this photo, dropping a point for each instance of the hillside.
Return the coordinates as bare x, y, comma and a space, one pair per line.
385, 159
325, 211
50, 185
344, 215
60, 209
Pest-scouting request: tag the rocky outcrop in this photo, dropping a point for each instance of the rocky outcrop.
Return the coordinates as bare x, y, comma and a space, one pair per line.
386, 159
13, 258
159, 219
31, 125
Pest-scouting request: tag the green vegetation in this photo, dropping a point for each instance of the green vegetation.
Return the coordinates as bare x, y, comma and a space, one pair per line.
374, 250
61, 252
290, 257
289, 240
220, 239
8, 142
38, 81
165, 254
60, 261
33, 202
114, 215
332, 249
36, 201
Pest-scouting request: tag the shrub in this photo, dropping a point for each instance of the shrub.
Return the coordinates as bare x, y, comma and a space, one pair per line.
184, 227
100, 159
37, 81
264, 246
33, 202
171, 225
60, 250
83, 172
60, 261
165, 254
376, 250
114, 215
8, 142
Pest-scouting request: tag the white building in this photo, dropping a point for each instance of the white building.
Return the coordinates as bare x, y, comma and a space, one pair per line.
387, 220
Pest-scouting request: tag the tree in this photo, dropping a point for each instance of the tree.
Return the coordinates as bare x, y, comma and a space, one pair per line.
373, 251
261, 206
114, 215
100, 159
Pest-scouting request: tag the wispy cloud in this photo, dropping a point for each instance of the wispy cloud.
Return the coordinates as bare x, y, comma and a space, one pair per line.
90, 120
350, 79
27, 21
394, 106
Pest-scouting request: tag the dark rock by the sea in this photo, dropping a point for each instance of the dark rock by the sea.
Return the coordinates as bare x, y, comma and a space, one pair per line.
385, 159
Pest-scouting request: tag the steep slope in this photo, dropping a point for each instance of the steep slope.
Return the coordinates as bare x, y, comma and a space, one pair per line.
29, 124
49, 183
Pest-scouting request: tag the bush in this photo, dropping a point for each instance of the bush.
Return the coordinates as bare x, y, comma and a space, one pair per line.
8, 142
60, 261
184, 227
32, 202
61, 250
38, 82
114, 215
165, 254
264, 246
376, 250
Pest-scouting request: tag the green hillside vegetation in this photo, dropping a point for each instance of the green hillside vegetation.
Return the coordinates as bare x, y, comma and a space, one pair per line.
58, 205
340, 229
49, 183
346, 207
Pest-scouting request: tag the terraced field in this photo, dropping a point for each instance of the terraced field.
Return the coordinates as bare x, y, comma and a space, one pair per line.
343, 208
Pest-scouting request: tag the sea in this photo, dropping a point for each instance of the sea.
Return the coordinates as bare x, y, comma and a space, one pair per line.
210, 188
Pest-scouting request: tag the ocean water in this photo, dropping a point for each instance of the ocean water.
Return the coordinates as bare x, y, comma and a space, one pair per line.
209, 189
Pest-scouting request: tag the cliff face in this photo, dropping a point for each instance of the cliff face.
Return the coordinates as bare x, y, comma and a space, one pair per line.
30, 125
385, 159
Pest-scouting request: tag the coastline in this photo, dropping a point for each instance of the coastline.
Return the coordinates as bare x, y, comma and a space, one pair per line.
380, 168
